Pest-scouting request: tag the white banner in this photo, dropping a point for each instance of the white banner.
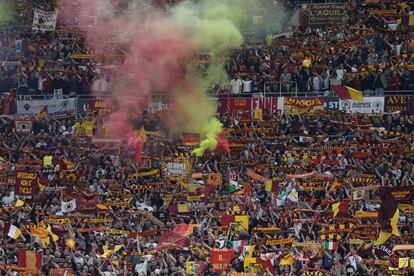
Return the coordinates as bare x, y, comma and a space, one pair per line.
44, 20
53, 107
368, 105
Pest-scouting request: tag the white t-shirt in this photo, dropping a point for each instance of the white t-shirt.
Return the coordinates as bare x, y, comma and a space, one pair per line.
247, 86
316, 83
7, 200
340, 73
142, 268
236, 86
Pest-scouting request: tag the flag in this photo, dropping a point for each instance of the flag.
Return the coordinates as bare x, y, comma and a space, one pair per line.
243, 219
68, 206
221, 258
271, 186
388, 215
183, 208
142, 134
185, 229
39, 232
403, 262
340, 207
169, 239
29, 259
47, 161
307, 63
280, 199
234, 186
11, 231
330, 245
238, 245
70, 243
19, 203
347, 93
293, 196
287, 260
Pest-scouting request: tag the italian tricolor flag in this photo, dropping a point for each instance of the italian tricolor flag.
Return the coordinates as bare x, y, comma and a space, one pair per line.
330, 245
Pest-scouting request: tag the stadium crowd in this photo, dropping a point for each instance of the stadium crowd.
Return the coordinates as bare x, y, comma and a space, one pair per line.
298, 194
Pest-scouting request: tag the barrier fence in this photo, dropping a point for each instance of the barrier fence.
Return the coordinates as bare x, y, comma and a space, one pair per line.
246, 107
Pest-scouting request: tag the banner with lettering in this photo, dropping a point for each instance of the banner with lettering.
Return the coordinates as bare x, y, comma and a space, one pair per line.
26, 183
175, 168
327, 13
53, 107
296, 106
221, 258
247, 105
401, 194
368, 105
44, 20
403, 104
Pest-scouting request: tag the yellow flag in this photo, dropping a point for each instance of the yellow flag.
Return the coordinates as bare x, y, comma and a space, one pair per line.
47, 161
142, 134
287, 260
70, 243
19, 203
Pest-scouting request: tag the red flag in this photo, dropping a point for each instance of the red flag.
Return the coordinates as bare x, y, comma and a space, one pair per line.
169, 239
138, 153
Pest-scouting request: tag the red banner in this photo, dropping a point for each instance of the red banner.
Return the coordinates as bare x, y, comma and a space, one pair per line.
401, 194
26, 183
221, 258
246, 105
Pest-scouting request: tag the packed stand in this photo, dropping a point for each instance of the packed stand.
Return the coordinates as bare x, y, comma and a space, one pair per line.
372, 52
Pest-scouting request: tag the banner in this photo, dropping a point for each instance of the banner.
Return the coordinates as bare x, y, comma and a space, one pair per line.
23, 126
296, 106
221, 258
44, 20
368, 105
331, 104
327, 13
53, 107
175, 168
26, 183
401, 194
403, 104
247, 105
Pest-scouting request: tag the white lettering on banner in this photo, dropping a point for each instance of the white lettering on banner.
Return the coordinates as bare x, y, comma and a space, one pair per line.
368, 105
178, 169
44, 20
53, 107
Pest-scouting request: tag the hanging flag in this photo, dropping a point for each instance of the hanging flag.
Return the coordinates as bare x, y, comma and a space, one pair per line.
29, 259
68, 206
347, 93
330, 245
11, 231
